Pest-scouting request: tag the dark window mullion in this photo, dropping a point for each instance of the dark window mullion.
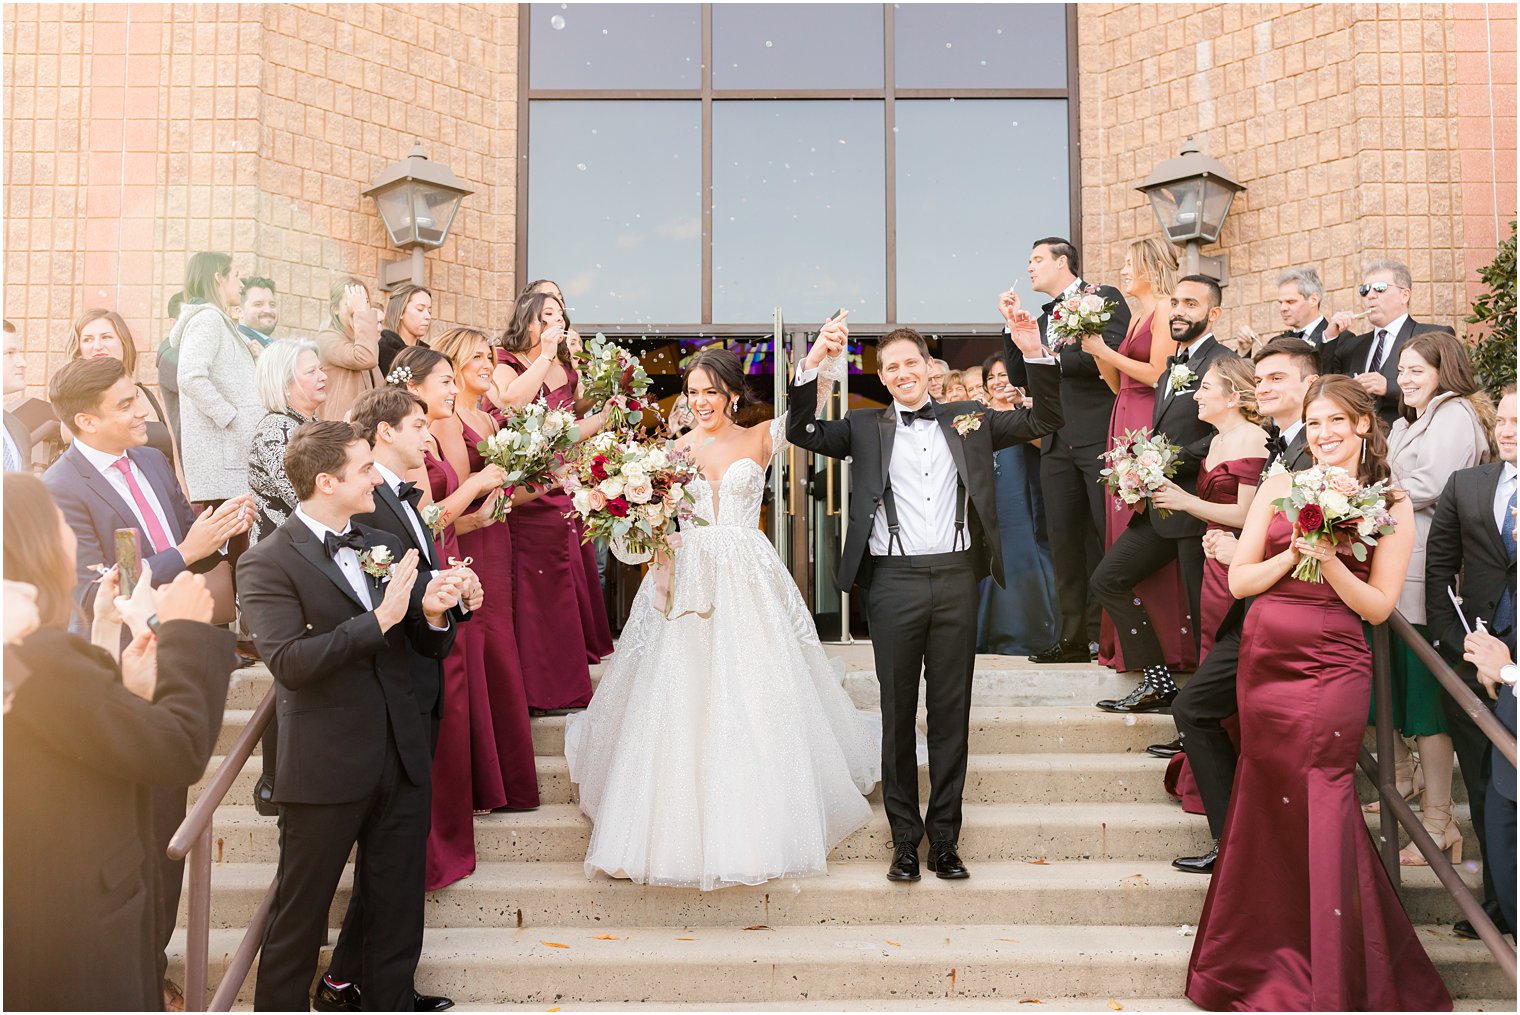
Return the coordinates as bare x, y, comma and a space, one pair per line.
707, 164
889, 122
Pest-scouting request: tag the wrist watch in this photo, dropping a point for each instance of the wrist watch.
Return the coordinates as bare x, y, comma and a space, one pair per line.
1507, 674
153, 626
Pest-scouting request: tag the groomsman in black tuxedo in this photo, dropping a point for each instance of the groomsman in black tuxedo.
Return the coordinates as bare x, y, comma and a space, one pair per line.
1150, 542
339, 615
394, 422
1471, 549
1373, 358
1072, 457
1299, 295
1285, 367
923, 532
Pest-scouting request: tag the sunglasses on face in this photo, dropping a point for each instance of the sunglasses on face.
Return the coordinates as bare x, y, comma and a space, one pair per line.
1374, 287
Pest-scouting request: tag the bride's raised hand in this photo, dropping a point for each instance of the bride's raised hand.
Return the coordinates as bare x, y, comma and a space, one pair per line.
831, 340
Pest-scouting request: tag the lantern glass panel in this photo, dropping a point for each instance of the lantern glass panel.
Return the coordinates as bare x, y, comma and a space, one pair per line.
1216, 205
435, 207
396, 212
1179, 208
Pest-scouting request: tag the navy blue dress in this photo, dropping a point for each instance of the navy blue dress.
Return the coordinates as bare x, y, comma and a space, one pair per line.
1021, 618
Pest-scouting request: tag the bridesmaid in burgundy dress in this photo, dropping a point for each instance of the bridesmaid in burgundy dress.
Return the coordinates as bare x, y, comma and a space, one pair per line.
470, 352
466, 777
1227, 483
1148, 275
1301, 915
560, 619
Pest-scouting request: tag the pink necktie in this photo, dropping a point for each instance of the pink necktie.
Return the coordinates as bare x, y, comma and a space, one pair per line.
156, 531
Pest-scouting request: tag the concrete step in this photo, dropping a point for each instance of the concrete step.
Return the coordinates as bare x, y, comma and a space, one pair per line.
1009, 962
514, 895
560, 833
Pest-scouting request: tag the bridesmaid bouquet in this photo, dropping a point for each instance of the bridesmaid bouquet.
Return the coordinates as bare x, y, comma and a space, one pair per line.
531, 442
1082, 313
614, 379
1139, 464
630, 491
1327, 502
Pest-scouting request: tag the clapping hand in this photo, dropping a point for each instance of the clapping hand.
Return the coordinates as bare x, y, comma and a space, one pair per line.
831, 341
442, 595
215, 526
398, 592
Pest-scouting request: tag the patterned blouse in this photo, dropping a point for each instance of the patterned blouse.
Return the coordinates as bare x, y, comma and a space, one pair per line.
272, 491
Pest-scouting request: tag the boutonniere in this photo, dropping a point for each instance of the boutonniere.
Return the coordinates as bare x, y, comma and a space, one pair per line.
376, 562
1182, 378
967, 423
432, 517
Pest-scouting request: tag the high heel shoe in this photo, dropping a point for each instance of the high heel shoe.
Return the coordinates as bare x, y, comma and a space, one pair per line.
1408, 781
1448, 837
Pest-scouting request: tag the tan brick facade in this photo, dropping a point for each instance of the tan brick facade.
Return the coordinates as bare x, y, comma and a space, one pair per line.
1360, 131
138, 134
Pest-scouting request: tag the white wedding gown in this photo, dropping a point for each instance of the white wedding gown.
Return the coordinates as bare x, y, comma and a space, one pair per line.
720, 748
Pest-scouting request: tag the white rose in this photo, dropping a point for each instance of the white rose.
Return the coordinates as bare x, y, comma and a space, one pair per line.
633, 471
639, 490
1335, 504
611, 487
656, 461
581, 501
677, 491
380, 555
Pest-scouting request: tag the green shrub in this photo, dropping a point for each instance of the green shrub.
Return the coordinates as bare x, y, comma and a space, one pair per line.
1494, 312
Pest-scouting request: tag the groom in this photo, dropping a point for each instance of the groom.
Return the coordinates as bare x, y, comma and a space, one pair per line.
923, 531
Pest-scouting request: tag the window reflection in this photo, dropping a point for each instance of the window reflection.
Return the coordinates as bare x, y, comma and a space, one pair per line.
978, 180
798, 209
797, 46
615, 207
980, 45
616, 45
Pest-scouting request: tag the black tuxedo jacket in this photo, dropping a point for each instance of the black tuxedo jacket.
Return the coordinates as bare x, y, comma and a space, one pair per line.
95, 510
1087, 402
1347, 354
427, 674
341, 681
1464, 539
866, 437
1315, 336
1176, 416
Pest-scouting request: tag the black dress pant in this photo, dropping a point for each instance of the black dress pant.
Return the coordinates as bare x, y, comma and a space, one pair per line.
1472, 749
168, 808
390, 827
923, 622
1074, 501
1139, 552
1201, 705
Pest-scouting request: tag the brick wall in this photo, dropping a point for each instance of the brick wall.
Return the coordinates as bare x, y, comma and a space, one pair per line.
138, 134
1341, 119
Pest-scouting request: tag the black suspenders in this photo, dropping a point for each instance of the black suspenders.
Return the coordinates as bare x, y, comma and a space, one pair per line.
894, 529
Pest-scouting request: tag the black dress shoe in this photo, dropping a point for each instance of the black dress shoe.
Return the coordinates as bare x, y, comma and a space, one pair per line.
1141, 699
1063, 652
330, 998
904, 863
1465, 930
945, 862
1198, 864
430, 1002
1165, 750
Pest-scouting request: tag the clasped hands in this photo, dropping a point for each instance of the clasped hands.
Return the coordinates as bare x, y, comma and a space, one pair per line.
832, 340
442, 594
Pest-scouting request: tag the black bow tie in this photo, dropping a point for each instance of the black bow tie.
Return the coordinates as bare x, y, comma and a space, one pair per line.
1277, 448
925, 412
1180, 359
1293, 333
1046, 308
409, 492
332, 542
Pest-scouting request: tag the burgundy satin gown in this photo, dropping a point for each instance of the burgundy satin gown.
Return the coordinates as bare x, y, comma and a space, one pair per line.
1219, 485
1164, 594
1300, 914
560, 619
492, 627
465, 774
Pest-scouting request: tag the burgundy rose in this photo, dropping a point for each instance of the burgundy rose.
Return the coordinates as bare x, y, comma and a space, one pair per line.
1311, 517
599, 467
617, 507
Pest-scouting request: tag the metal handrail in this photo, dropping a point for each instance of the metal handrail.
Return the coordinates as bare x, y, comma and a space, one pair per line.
1396, 809
193, 839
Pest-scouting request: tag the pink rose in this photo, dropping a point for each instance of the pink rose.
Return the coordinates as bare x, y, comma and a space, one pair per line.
598, 499
1092, 303
1344, 484
639, 491
1130, 481
1148, 459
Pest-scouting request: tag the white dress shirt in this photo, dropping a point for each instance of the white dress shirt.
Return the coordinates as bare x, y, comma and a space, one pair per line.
1502, 495
922, 476
104, 463
347, 558
1308, 329
1186, 352
1292, 432
413, 519
1388, 340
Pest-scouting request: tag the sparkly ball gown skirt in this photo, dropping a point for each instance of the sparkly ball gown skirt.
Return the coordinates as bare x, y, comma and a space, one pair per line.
720, 748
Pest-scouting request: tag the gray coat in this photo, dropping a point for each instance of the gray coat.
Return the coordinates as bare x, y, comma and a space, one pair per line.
219, 407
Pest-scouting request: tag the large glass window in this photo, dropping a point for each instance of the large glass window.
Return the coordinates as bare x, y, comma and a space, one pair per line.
692, 166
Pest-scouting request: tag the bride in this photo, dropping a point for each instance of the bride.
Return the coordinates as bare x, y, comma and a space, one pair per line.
720, 748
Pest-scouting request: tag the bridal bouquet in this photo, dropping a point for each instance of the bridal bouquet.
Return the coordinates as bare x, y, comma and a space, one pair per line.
1327, 502
630, 491
1139, 464
614, 379
1082, 313
530, 444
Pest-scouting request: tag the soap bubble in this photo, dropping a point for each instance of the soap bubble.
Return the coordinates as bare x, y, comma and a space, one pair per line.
557, 23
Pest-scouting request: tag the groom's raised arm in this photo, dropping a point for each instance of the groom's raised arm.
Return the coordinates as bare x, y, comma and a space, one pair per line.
829, 437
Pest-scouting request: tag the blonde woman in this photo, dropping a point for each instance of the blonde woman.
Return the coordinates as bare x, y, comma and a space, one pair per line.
101, 332
349, 347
